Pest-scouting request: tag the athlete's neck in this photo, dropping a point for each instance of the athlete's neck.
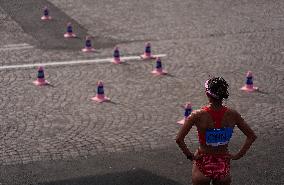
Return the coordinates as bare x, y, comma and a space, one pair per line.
215, 105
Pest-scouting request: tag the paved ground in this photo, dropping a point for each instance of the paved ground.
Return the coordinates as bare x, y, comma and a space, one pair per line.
57, 135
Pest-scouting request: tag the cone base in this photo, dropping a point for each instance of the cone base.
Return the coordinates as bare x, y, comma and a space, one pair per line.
88, 50
163, 72
147, 57
70, 35
40, 83
116, 61
181, 122
100, 99
46, 18
249, 89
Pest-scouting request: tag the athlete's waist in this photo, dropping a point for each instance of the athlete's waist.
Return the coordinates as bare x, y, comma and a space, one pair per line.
213, 150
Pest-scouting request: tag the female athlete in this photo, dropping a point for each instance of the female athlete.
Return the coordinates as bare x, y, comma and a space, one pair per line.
215, 123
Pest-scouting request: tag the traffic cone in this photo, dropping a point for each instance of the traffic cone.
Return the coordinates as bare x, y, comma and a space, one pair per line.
249, 83
100, 96
187, 112
147, 53
116, 56
69, 33
88, 45
40, 78
159, 68
46, 15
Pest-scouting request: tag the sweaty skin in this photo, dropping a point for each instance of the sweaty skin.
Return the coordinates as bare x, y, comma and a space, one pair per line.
202, 120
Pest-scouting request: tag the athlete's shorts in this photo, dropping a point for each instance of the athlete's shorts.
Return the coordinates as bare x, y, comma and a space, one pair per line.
214, 166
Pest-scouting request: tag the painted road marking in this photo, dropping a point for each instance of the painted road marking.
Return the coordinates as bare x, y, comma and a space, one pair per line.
105, 60
15, 47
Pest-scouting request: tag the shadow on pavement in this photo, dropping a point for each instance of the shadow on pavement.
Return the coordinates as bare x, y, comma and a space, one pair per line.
49, 34
134, 177
261, 92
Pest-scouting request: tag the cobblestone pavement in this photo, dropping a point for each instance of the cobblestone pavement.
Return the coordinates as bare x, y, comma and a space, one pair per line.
200, 38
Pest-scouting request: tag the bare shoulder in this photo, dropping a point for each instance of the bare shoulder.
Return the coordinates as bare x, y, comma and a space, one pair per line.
232, 113
197, 114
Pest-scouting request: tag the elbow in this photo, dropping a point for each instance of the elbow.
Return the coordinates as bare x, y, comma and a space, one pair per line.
253, 138
179, 140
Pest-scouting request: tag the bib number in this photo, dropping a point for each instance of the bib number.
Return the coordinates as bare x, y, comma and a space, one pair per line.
216, 137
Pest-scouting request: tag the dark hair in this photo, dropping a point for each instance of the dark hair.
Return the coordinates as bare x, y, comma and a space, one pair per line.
218, 87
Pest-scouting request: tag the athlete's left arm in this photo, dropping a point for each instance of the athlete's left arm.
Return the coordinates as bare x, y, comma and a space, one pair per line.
251, 137
189, 122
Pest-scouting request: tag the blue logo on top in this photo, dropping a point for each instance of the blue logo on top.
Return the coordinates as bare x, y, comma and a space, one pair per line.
116, 53
187, 112
100, 90
69, 29
40, 74
249, 80
88, 43
45, 12
158, 64
148, 49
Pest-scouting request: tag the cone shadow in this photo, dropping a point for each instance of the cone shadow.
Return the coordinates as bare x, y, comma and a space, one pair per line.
111, 102
261, 92
50, 85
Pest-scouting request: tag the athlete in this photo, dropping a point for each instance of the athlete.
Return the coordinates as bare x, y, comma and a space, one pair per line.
215, 123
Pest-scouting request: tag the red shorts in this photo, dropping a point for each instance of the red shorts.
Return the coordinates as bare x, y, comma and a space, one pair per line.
214, 166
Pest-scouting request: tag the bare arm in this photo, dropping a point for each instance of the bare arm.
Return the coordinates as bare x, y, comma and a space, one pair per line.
183, 132
251, 137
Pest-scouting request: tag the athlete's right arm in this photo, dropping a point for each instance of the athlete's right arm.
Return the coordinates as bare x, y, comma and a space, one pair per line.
189, 122
251, 137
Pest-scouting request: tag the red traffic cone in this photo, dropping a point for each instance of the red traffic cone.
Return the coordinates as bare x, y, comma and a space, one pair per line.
147, 53
69, 33
187, 112
40, 77
159, 68
100, 96
116, 56
88, 45
46, 15
249, 83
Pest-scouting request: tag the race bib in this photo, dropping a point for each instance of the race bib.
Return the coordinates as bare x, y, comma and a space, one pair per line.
216, 137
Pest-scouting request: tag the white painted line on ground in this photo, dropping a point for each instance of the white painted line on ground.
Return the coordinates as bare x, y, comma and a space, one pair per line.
15, 47
105, 60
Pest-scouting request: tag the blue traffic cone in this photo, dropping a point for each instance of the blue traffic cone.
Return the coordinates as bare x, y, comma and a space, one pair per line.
249, 83
100, 96
159, 68
147, 52
116, 56
40, 77
187, 112
88, 45
69, 33
46, 15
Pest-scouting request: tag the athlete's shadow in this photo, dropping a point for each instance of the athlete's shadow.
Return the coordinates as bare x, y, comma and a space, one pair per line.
133, 177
